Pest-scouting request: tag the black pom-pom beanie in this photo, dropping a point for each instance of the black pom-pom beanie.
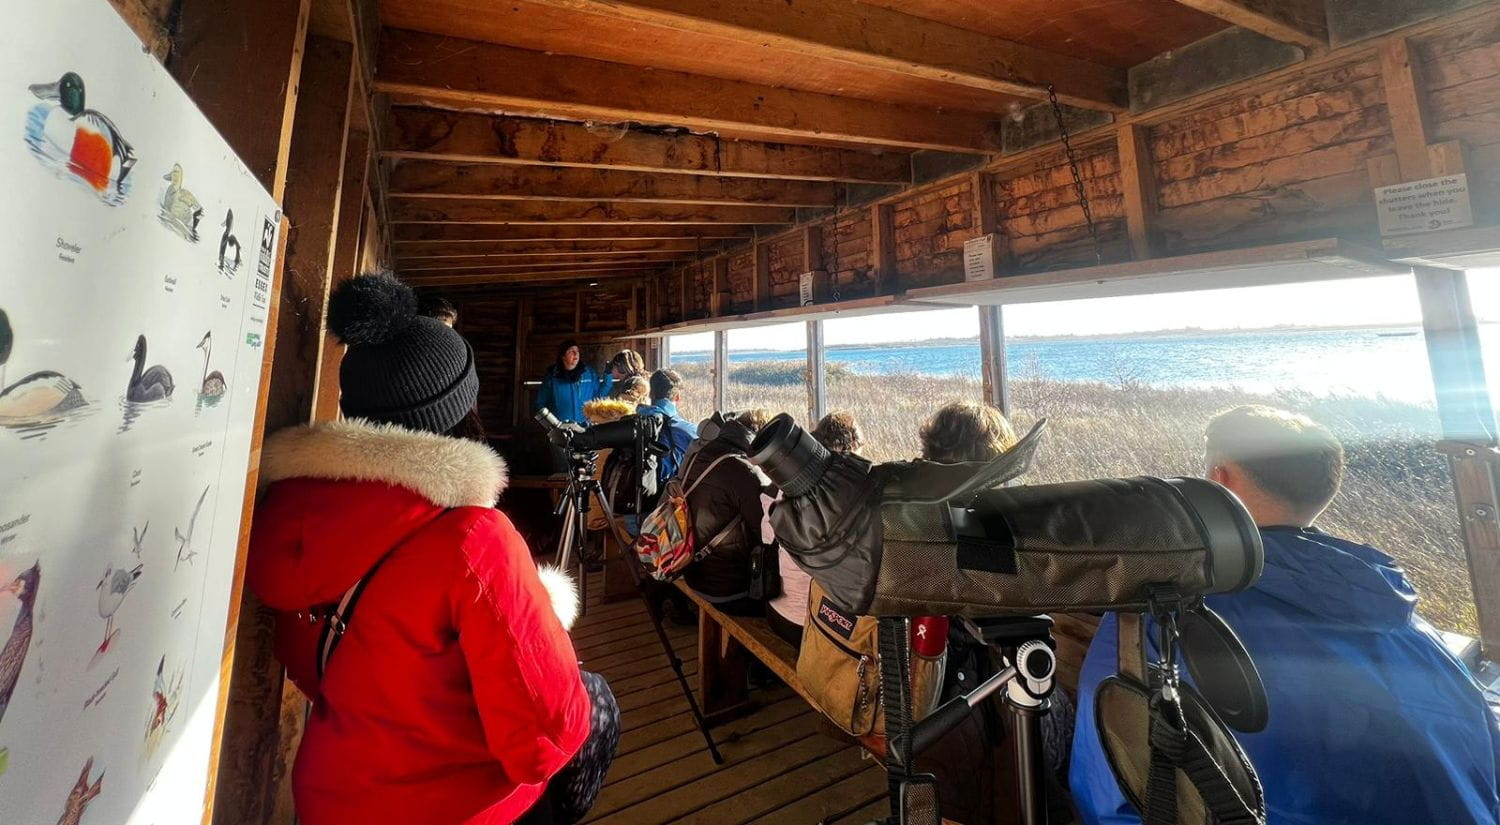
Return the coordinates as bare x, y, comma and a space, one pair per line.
399, 368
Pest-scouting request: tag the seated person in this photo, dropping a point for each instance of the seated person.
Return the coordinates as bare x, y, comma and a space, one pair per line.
966, 431
724, 494
1371, 718
635, 389
666, 391
786, 614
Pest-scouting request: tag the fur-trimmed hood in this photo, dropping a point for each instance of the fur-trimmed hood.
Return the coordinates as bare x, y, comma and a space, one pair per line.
449, 472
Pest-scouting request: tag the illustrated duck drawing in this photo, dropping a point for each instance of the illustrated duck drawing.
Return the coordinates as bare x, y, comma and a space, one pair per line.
39, 396
13, 655
154, 384
96, 151
179, 206
229, 244
214, 385
113, 587
82, 794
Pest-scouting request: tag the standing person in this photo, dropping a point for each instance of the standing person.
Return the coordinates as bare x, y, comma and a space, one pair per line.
627, 363
786, 614
454, 695
570, 383
1372, 720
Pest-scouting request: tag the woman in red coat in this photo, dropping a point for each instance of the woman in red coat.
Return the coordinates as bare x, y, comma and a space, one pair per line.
454, 695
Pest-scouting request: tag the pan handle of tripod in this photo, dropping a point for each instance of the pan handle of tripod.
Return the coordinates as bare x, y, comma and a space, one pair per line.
952, 713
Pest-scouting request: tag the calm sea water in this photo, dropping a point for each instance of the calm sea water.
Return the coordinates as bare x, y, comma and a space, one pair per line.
1387, 362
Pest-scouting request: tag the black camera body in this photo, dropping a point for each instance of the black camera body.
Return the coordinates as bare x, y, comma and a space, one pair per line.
635, 441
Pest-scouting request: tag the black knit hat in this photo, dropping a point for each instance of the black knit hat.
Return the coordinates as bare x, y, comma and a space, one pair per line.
400, 368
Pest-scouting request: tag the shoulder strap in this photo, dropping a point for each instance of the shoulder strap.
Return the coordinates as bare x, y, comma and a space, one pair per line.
716, 462
336, 622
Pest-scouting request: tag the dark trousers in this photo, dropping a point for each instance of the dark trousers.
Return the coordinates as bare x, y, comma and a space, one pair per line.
789, 631
572, 791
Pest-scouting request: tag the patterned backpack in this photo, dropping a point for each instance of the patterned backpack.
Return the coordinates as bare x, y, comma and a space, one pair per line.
665, 545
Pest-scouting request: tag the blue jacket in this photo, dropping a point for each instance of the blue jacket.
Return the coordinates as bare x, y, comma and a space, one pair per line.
566, 398
679, 434
1372, 720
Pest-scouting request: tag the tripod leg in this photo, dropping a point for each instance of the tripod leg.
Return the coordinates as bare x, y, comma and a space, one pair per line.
564, 541
654, 612
1027, 739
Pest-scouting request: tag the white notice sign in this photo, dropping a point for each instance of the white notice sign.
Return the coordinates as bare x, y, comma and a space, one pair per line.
805, 289
979, 258
1424, 205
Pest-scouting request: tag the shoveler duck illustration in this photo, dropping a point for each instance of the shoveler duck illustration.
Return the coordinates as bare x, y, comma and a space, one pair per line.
90, 144
229, 245
180, 210
40, 396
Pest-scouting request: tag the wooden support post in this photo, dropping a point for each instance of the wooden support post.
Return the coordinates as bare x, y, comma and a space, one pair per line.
812, 261
682, 295
1138, 182
633, 312
723, 668
520, 411
721, 368
817, 380
992, 358
883, 248
241, 63
723, 298
1402, 76
1469, 433
346, 254
762, 280
577, 310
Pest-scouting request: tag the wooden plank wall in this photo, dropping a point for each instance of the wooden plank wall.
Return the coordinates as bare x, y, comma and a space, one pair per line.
1283, 158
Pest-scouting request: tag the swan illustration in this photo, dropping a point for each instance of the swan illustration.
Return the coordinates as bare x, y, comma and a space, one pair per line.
229, 243
13, 655
214, 385
113, 587
180, 210
94, 150
154, 384
37, 398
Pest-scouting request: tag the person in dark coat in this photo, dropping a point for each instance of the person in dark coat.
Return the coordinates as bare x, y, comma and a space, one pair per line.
455, 696
1372, 720
724, 494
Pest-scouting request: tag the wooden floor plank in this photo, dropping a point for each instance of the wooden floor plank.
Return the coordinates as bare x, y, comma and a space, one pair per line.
857, 790
645, 736
778, 791
628, 685
685, 744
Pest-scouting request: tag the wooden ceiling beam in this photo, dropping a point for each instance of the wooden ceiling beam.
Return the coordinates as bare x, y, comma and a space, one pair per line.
408, 236
870, 37
538, 262
558, 249
1299, 22
522, 278
407, 210
465, 74
470, 138
427, 179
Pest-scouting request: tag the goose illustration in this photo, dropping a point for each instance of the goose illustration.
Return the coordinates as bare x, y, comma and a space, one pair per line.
37, 398
228, 243
113, 587
154, 384
90, 144
214, 385
180, 210
13, 655
82, 794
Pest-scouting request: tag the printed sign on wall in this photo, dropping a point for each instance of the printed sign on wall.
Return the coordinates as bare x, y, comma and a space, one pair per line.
133, 310
1428, 205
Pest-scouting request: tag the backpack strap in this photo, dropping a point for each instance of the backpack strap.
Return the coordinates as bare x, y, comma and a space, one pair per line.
688, 490
336, 620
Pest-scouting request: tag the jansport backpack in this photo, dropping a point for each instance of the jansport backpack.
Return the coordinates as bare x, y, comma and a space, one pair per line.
666, 544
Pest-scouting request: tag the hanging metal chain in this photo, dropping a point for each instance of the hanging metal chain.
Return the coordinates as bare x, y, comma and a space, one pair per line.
1083, 195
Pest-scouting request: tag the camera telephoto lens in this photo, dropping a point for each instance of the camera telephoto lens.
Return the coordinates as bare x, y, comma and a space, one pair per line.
789, 456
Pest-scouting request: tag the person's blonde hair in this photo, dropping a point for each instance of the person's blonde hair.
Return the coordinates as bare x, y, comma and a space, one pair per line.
1289, 456
635, 389
839, 431
629, 362
966, 431
756, 419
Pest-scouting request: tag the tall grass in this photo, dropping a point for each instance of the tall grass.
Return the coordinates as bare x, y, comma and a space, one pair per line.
1397, 494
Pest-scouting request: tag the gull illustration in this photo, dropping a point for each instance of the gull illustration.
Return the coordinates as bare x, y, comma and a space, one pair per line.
185, 551
112, 587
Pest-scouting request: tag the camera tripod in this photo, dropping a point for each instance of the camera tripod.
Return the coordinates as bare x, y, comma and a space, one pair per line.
583, 491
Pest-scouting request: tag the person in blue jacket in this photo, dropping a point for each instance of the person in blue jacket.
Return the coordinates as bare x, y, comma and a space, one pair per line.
666, 390
1372, 720
570, 383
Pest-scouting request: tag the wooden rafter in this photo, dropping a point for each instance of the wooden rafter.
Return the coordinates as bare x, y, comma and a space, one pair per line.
408, 235
470, 138
425, 68
1300, 22
407, 210
869, 37
502, 249
566, 276
539, 262
426, 179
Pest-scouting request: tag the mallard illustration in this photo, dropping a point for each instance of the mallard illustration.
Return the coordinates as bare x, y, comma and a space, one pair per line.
96, 152
112, 587
40, 396
179, 208
13, 655
229, 245
214, 385
154, 384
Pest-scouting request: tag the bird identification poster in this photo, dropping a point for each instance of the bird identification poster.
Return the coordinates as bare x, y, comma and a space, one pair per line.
139, 256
